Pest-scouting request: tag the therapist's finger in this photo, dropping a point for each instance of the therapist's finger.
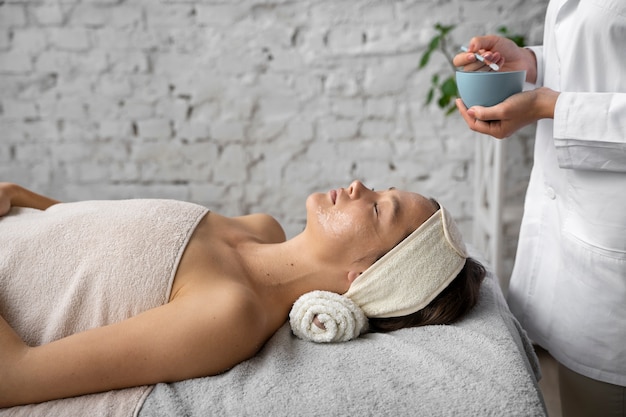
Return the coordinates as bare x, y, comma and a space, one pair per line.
469, 119
483, 43
487, 114
463, 58
473, 119
476, 66
469, 116
468, 62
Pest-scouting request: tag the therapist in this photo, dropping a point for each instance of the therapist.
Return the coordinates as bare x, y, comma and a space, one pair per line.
568, 287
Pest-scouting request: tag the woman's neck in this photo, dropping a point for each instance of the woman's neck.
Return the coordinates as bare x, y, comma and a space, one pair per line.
285, 271
278, 271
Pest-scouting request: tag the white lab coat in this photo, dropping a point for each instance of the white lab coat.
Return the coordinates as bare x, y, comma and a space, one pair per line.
568, 287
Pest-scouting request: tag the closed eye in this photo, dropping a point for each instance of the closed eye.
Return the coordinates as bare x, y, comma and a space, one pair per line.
376, 209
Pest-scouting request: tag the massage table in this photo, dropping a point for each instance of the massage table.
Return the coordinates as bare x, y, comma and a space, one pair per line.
483, 365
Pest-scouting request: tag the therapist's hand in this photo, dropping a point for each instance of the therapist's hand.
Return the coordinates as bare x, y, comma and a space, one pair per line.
501, 51
517, 111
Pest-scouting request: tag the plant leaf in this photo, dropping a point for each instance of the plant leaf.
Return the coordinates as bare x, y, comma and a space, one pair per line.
451, 109
443, 101
424, 59
449, 87
429, 96
444, 30
434, 43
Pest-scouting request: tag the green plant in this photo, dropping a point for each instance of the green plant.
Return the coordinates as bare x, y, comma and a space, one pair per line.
445, 84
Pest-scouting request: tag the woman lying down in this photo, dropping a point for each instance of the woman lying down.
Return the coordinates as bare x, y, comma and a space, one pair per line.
101, 295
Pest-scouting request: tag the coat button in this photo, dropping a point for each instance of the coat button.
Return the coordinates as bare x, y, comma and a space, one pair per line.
550, 193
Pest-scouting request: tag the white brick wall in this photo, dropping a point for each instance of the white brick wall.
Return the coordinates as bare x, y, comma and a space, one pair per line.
240, 105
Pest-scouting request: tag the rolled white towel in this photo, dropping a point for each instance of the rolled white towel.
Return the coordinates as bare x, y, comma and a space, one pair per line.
341, 318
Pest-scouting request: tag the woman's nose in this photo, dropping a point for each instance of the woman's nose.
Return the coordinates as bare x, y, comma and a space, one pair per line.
355, 188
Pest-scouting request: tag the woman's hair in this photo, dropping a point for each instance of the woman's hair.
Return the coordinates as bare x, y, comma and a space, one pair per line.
448, 307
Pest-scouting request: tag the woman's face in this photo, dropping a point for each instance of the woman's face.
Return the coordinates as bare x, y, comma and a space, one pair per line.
361, 224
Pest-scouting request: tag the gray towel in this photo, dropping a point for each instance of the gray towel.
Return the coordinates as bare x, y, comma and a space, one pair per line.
480, 366
77, 266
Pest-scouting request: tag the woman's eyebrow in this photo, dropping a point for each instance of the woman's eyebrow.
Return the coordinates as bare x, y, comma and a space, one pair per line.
396, 207
395, 203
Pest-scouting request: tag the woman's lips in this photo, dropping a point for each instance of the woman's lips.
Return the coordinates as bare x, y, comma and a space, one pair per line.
333, 195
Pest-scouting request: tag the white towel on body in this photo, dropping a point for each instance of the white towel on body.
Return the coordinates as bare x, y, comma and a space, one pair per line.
78, 266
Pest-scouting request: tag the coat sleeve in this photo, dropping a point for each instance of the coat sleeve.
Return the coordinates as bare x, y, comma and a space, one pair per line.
538, 51
590, 131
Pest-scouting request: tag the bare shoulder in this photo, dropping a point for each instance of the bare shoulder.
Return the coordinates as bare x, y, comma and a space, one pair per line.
229, 326
236, 304
263, 225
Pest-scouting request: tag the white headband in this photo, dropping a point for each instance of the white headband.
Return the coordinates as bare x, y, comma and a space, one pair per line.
409, 276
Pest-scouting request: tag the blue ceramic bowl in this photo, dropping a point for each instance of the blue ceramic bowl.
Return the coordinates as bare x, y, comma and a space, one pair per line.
478, 88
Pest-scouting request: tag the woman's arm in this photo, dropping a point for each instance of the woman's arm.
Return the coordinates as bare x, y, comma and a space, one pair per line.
14, 195
12, 351
191, 336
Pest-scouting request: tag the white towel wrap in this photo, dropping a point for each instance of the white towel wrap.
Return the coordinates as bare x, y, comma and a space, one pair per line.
78, 266
342, 318
409, 276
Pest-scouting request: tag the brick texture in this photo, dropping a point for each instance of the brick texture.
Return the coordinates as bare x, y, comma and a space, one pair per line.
243, 106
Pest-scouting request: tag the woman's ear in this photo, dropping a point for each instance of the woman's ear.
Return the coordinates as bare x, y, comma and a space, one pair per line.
352, 275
